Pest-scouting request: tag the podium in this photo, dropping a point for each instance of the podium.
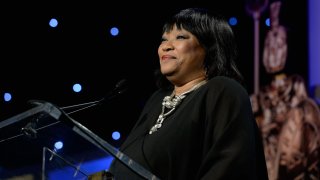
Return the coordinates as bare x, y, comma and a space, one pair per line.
27, 148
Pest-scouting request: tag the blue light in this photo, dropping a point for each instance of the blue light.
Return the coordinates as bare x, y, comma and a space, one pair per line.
58, 145
314, 43
267, 22
7, 97
116, 135
77, 88
89, 167
53, 22
233, 21
114, 31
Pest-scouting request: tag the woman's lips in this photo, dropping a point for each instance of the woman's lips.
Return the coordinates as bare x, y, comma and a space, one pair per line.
167, 57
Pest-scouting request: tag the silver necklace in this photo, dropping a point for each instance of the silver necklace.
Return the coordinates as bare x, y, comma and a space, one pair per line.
170, 103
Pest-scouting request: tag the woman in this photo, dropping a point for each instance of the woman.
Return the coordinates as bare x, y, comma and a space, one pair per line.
199, 124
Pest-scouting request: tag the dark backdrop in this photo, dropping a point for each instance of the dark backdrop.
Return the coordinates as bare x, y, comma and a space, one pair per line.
39, 62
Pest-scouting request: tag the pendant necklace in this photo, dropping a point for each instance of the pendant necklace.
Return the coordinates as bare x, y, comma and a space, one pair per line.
170, 103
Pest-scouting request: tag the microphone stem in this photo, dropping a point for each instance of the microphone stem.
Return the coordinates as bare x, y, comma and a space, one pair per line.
93, 104
79, 105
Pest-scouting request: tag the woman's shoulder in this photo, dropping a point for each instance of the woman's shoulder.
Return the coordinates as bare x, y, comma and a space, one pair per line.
224, 81
226, 84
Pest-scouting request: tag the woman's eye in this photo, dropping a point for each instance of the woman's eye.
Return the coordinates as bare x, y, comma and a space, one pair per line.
163, 39
181, 37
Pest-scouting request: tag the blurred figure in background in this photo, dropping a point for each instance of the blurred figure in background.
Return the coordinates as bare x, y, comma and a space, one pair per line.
288, 119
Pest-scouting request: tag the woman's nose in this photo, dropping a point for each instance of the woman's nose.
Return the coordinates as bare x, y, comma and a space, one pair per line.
167, 46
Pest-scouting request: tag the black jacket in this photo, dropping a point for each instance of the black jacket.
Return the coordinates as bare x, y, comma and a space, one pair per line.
211, 135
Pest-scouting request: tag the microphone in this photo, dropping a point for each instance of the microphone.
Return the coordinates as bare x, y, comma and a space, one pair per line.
119, 88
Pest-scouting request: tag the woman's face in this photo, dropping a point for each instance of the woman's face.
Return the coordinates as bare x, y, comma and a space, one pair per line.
181, 56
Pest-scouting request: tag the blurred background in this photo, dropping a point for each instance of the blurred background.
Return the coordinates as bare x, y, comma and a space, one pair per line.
73, 53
